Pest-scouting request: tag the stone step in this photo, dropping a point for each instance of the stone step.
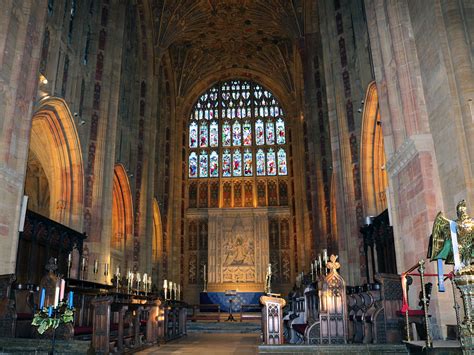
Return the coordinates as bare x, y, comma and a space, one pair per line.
224, 327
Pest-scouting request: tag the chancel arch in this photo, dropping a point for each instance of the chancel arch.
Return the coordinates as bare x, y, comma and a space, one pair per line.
374, 175
55, 178
122, 220
238, 188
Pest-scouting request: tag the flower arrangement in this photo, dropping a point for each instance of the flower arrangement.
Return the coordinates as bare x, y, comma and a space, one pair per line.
50, 317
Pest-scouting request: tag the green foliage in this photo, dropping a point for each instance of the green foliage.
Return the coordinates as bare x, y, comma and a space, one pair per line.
61, 315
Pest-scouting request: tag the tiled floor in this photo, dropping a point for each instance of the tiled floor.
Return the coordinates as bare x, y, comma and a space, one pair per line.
209, 344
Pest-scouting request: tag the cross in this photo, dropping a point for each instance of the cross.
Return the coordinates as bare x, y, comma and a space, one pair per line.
333, 265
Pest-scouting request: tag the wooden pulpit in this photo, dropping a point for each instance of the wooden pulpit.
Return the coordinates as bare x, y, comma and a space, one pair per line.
272, 319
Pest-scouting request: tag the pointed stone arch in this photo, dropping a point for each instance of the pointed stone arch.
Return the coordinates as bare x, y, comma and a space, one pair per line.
122, 220
55, 147
374, 176
157, 242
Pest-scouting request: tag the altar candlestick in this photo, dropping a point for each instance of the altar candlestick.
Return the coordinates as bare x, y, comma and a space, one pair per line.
43, 295
61, 292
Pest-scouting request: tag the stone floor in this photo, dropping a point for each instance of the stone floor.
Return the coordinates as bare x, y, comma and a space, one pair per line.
206, 343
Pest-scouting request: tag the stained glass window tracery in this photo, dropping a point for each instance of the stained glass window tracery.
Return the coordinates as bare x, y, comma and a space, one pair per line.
237, 129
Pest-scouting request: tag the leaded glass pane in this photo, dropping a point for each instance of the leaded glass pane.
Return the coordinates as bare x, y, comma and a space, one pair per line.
203, 164
237, 163
280, 131
247, 162
226, 164
270, 130
226, 134
260, 158
271, 164
247, 133
192, 165
236, 134
203, 135
214, 134
282, 167
214, 164
259, 133
193, 135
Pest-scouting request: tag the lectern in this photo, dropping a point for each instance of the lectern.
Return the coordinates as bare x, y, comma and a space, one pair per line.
272, 319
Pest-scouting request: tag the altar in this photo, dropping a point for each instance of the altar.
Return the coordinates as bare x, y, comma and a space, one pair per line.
238, 299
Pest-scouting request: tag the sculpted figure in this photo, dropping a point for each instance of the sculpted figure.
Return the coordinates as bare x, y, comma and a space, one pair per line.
452, 240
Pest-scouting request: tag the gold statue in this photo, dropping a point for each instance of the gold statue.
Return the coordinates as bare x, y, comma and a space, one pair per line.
268, 280
452, 240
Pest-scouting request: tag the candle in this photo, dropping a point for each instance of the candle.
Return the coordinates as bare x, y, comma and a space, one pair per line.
145, 281
43, 295
269, 269
165, 284
320, 262
83, 264
325, 257
117, 273
96, 266
106, 271
138, 277
61, 292
56, 296
179, 292
69, 258
175, 289
71, 299
50, 311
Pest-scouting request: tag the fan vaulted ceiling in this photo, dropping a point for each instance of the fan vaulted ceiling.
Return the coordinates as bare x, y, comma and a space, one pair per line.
205, 36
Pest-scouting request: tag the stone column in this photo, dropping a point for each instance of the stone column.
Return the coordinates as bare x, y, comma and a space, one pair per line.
21, 33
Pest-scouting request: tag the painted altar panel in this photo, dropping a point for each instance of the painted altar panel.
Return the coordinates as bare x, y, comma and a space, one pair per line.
238, 249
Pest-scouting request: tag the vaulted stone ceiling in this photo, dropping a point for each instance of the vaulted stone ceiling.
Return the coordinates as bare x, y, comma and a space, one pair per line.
205, 36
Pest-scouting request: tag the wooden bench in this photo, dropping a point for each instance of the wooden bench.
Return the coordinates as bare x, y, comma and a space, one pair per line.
205, 312
248, 312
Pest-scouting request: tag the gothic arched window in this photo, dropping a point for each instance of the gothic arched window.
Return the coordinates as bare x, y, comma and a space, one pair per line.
236, 129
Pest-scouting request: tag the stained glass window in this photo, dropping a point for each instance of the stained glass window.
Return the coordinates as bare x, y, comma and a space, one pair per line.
203, 164
237, 163
270, 130
193, 135
236, 134
259, 135
226, 134
214, 164
247, 133
271, 164
280, 131
282, 169
214, 134
203, 135
247, 162
193, 165
237, 113
226, 164
260, 158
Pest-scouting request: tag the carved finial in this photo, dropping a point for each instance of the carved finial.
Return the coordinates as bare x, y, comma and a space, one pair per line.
333, 265
52, 265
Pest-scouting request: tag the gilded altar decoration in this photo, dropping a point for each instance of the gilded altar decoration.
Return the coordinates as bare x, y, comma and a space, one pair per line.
452, 240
